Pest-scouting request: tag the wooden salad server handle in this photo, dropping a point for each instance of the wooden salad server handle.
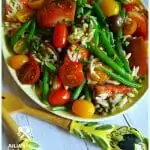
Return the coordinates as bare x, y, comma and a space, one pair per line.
14, 104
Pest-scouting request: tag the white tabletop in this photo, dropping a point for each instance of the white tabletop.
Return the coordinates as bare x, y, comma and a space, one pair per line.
53, 138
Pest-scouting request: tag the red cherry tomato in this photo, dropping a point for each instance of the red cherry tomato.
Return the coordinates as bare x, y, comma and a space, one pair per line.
29, 73
71, 74
60, 35
59, 97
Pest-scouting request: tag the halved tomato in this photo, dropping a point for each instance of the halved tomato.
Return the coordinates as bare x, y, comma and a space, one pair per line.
56, 11
71, 74
138, 50
29, 73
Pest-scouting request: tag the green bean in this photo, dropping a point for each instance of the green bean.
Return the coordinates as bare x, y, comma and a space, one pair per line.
58, 108
88, 13
45, 84
103, 56
122, 13
99, 14
20, 32
96, 37
78, 91
121, 53
120, 79
32, 28
51, 67
88, 94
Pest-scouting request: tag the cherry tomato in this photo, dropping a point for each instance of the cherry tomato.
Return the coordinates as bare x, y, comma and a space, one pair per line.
17, 61
24, 15
29, 73
115, 23
110, 7
130, 27
60, 35
35, 4
83, 108
138, 50
71, 74
111, 89
59, 97
55, 12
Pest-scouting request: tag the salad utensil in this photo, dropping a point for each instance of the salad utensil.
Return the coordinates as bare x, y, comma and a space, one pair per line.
14, 104
108, 137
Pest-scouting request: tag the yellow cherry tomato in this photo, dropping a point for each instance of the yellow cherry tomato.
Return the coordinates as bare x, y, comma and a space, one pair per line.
35, 4
17, 61
83, 108
24, 15
110, 7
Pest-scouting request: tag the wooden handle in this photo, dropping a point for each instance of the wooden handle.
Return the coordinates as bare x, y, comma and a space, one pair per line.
11, 125
48, 117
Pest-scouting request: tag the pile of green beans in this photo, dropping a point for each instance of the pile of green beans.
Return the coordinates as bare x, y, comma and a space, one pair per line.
31, 25
122, 76
106, 40
103, 57
120, 79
